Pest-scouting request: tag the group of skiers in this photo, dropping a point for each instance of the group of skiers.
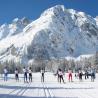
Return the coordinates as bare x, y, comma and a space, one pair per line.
27, 74
79, 75
60, 75
87, 74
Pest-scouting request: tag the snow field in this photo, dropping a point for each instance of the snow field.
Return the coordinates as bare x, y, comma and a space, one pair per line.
50, 89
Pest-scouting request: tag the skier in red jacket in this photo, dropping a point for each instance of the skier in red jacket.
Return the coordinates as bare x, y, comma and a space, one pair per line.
70, 75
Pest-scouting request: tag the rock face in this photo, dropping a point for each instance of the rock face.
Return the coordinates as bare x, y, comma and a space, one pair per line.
57, 33
17, 25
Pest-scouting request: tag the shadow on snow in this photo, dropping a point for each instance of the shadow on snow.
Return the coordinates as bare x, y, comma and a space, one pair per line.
26, 87
15, 96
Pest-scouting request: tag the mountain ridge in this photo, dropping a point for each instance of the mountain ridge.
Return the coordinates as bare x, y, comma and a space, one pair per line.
57, 33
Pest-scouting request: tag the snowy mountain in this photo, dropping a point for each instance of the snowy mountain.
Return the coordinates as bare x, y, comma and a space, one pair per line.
14, 28
58, 32
96, 19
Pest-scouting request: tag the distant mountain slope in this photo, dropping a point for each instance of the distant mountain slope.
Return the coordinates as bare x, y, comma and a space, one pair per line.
57, 33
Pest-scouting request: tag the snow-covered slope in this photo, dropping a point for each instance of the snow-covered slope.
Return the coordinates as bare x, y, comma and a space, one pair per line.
57, 33
14, 28
96, 19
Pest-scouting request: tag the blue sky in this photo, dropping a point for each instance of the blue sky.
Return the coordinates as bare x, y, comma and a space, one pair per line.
10, 9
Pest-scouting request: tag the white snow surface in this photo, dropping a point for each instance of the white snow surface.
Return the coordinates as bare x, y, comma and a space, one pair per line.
79, 57
49, 89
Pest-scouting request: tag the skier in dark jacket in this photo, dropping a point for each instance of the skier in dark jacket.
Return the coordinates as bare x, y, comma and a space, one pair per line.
25, 74
80, 75
86, 74
30, 74
60, 74
16, 74
92, 75
42, 74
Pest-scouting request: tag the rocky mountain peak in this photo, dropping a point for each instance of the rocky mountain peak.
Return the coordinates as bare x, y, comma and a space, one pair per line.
57, 33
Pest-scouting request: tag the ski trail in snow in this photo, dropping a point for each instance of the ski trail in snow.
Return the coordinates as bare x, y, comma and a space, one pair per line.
46, 95
24, 90
13, 91
50, 92
49, 89
39, 90
20, 91
47, 92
